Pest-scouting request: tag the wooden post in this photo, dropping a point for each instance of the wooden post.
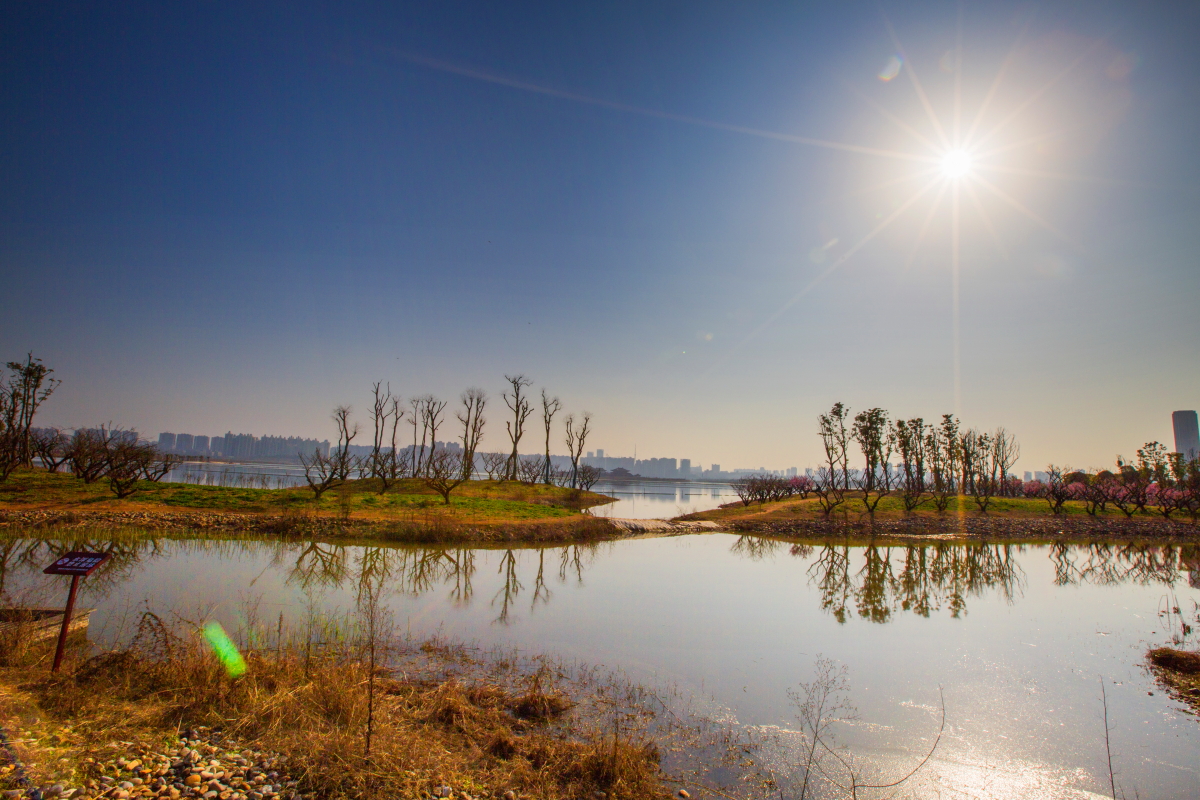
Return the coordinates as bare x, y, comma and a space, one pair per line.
66, 624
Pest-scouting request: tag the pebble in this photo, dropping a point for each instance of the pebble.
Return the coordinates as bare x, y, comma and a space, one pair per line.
202, 765
684, 794
510, 795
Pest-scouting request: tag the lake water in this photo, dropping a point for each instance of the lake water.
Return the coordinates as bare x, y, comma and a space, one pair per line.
1018, 637
660, 500
635, 499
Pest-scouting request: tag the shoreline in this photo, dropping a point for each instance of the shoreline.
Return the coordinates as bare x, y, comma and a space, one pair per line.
976, 528
584, 528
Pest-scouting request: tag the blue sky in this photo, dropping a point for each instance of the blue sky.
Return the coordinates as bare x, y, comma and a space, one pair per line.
237, 216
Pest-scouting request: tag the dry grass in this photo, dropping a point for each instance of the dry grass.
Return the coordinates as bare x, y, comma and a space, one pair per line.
1178, 671
431, 724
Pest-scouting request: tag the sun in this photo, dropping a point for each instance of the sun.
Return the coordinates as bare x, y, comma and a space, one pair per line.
956, 164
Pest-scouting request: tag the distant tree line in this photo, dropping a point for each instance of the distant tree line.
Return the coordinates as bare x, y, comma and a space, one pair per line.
388, 460
1156, 482
931, 463
92, 454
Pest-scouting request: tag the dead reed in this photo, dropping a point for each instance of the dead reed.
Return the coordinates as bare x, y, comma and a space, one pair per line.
429, 716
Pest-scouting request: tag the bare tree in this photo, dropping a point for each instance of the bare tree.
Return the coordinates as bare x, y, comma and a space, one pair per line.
531, 470
390, 467
51, 446
382, 464
324, 472
873, 432
472, 419
88, 456
494, 464
126, 460
1056, 492
28, 386
443, 473
431, 419
1006, 451
319, 472
587, 476
159, 464
832, 479
911, 438
414, 419
344, 463
550, 407
836, 441
943, 448
427, 413
575, 442
521, 408
980, 469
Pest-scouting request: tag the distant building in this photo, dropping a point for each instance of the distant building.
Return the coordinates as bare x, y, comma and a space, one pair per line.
599, 453
793, 472
166, 441
1028, 476
1041, 476
685, 468
200, 444
1187, 434
183, 442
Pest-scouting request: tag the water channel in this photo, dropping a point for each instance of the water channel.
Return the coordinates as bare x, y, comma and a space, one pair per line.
1018, 637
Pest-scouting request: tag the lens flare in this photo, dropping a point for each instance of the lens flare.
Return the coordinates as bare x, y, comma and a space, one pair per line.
956, 164
226, 650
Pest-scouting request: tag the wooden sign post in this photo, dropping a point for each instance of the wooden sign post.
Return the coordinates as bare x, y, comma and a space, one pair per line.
77, 565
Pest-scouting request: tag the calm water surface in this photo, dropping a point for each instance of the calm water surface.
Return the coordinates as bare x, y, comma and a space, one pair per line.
1018, 637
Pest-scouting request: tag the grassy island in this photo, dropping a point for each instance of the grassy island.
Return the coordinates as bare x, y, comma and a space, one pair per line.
479, 510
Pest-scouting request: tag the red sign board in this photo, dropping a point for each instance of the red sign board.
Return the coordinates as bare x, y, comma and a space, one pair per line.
82, 564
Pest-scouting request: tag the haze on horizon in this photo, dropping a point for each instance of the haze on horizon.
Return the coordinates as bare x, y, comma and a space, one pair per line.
703, 222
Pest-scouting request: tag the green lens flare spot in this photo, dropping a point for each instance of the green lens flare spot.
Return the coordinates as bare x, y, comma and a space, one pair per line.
225, 649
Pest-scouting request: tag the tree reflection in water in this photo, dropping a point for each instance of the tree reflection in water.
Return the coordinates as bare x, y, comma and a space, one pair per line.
925, 578
1106, 564
904, 577
417, 571
871, 582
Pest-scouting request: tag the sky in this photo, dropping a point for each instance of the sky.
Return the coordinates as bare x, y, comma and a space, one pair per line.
704, 223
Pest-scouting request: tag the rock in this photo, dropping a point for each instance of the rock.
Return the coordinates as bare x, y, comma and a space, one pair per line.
193, 780
126, 785
442, 791
510, 795
684, 794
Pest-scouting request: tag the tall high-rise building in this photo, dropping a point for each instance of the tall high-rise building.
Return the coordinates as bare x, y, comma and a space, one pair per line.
1187, 434
685, 468
200, 444
183, 442
166, 441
